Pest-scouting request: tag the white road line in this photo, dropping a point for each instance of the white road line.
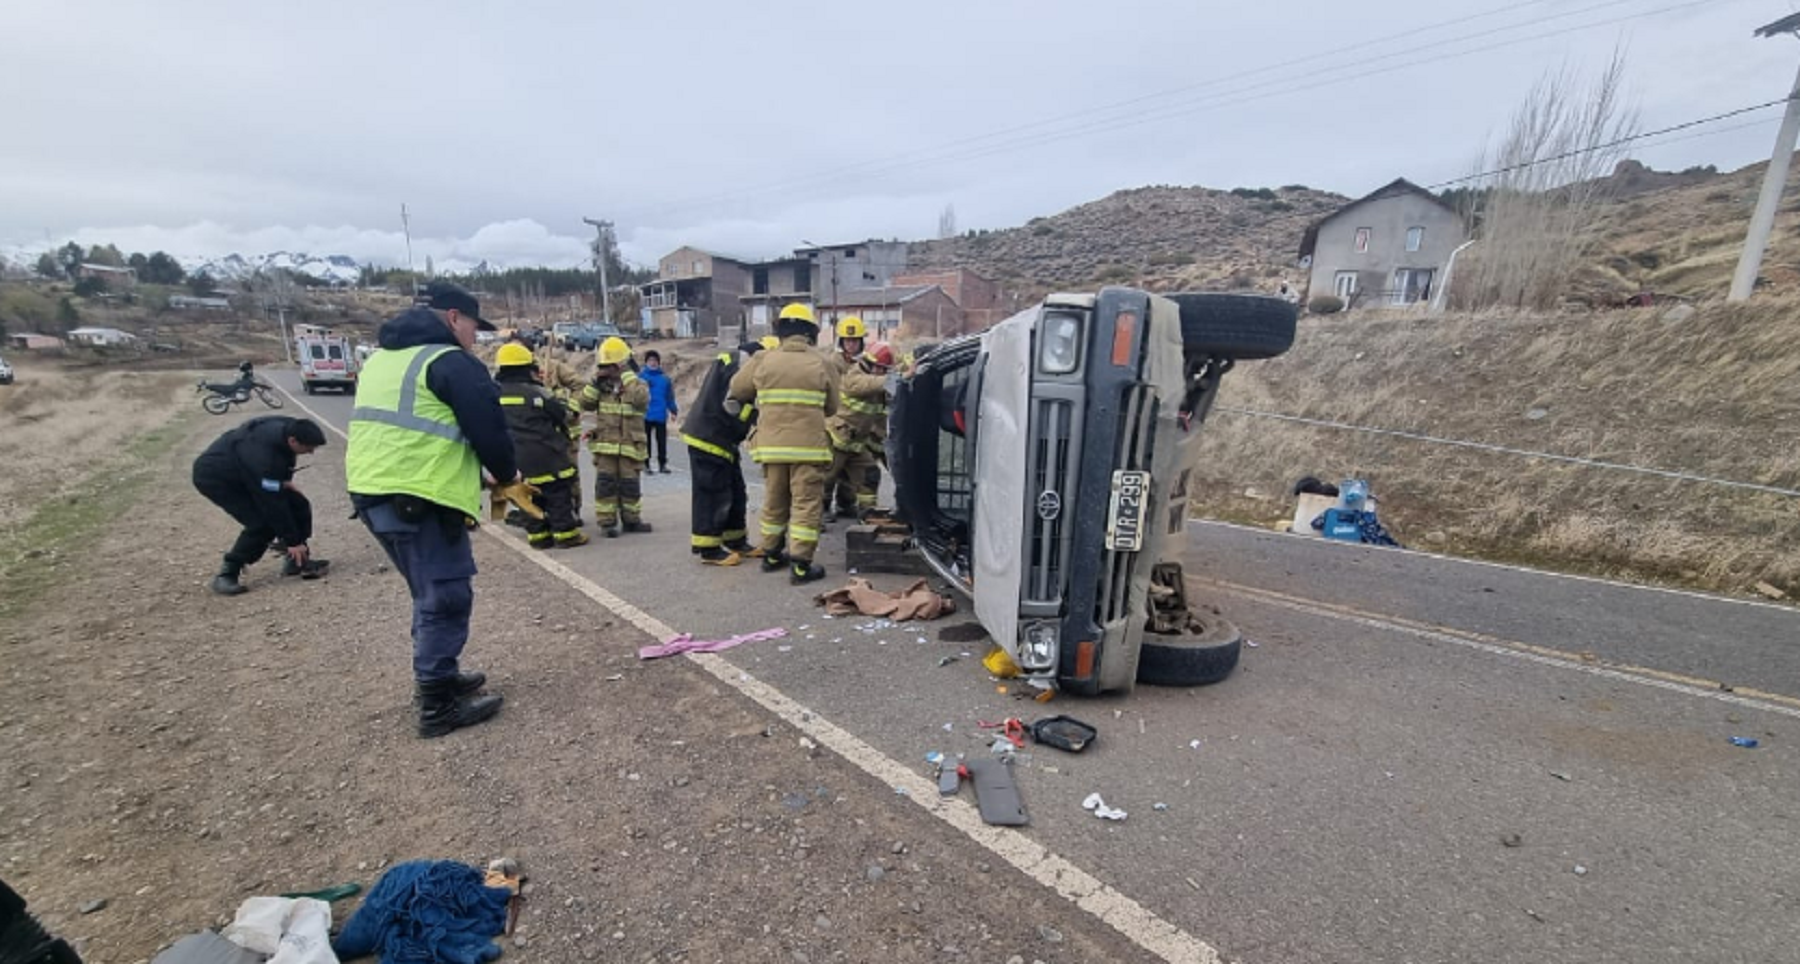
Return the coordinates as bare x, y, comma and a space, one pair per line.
1498, 649
1508, 567
1132, 920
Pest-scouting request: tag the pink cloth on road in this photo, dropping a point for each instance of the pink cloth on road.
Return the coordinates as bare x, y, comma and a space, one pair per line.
686, 643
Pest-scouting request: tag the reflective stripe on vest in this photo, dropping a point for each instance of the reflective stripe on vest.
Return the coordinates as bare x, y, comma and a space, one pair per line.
790, 396
406, 416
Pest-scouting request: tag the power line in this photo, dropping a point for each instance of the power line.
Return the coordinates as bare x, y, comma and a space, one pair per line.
1226, 98
1601, 147
1157, 95
1192, 107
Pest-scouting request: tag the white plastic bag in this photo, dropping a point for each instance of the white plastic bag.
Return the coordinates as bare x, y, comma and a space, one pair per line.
294, 931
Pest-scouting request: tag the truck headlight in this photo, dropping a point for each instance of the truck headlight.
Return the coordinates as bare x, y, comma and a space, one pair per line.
1059, 344
1039, 651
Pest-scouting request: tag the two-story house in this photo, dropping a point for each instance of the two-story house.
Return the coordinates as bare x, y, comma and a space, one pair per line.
1388, 248
695, 292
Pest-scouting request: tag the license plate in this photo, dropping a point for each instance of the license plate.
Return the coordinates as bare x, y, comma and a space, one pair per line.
1125, 517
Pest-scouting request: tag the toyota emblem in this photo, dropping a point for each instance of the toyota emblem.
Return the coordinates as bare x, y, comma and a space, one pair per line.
1049, 506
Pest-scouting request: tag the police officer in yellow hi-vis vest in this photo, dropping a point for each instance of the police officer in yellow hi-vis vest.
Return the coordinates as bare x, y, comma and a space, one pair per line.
427, 423
794, 392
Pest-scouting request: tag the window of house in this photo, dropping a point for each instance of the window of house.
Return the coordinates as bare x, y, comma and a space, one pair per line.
759, 281
849, 252
803, 277
1345, 285
699, 266
1362, 240
1412, 285
1415, 237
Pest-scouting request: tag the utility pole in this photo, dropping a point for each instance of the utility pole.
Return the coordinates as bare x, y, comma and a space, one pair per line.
603, 246
1756, 240
406, 229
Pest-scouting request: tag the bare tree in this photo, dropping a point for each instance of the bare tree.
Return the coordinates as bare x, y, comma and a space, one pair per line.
1532, 215
947, 222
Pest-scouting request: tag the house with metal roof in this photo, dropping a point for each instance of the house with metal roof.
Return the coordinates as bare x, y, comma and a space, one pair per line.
1389, 247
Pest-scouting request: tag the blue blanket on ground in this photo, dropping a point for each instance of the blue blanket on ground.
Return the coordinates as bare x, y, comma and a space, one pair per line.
427, 912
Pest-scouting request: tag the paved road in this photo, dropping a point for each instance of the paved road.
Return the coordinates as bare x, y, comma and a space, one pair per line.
1355, 785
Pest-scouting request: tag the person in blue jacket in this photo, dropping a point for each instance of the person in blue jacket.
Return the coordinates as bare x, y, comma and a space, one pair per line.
662, 407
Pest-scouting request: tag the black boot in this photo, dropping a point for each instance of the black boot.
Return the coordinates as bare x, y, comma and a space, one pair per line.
638, 526
805, 571
740, 546
226, 582
774, 561
715, 556
444, 707
467, 684
313, 568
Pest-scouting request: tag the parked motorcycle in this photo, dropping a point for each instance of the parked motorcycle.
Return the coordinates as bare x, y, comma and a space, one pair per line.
220, 396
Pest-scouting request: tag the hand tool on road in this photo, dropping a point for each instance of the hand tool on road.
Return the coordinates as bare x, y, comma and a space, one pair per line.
1012, 729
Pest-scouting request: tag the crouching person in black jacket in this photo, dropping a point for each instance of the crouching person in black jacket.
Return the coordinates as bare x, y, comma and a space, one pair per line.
249, 472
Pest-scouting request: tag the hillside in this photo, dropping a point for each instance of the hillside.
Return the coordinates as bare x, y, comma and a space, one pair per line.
1161, 237
1674, 233
1710, 394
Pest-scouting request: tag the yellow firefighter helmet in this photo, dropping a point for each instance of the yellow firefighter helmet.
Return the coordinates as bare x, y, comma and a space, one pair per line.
852, 327
799, 312
614, 351
513, 353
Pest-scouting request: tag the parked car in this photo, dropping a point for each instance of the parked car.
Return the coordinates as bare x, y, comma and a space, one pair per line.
1044, 466
6, 373
587, 335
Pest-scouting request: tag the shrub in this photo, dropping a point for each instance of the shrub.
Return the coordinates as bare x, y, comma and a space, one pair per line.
1043, 231
1325, 305
1170, 259
1258, 193
1115, 273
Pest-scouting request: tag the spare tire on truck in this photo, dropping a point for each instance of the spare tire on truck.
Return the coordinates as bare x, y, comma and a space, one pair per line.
1239, 327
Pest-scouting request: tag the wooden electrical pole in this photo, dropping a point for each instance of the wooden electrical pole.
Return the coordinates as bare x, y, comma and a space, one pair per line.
602, 235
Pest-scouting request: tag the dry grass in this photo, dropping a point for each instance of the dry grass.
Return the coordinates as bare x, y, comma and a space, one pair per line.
1713, 395
59, 427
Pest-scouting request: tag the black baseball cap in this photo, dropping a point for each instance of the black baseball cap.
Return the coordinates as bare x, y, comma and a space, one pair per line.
445, 296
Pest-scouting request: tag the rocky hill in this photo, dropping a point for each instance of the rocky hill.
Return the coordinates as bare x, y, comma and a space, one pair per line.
1158, 237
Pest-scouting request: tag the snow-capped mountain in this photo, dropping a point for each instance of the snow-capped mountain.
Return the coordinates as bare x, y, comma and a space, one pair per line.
334, 269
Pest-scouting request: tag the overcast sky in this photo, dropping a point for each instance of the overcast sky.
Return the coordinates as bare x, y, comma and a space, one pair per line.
207, 127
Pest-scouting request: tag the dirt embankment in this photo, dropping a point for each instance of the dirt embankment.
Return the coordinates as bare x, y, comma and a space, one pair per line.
1712, 394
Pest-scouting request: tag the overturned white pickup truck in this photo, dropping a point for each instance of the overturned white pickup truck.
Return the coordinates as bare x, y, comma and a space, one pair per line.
1043, 466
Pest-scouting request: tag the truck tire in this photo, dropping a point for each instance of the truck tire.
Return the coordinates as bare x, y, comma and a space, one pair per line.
1190, 660
1239, 327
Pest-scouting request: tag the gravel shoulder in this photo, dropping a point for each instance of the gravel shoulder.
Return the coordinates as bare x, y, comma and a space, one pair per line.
173, 752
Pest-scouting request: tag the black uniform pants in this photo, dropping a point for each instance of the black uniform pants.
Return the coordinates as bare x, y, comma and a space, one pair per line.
557, 500
720, 502
241, 504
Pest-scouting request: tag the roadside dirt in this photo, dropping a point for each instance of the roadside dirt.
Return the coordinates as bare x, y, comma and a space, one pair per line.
172, 753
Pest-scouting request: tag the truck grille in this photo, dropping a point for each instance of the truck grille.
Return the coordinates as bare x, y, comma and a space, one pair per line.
1052, 494
1137, 439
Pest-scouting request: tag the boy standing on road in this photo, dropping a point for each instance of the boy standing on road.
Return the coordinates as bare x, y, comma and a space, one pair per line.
660, 408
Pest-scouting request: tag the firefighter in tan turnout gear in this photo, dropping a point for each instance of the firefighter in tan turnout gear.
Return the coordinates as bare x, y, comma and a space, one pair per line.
617, 397
794, 392
565, 382
859, 429
840, 485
